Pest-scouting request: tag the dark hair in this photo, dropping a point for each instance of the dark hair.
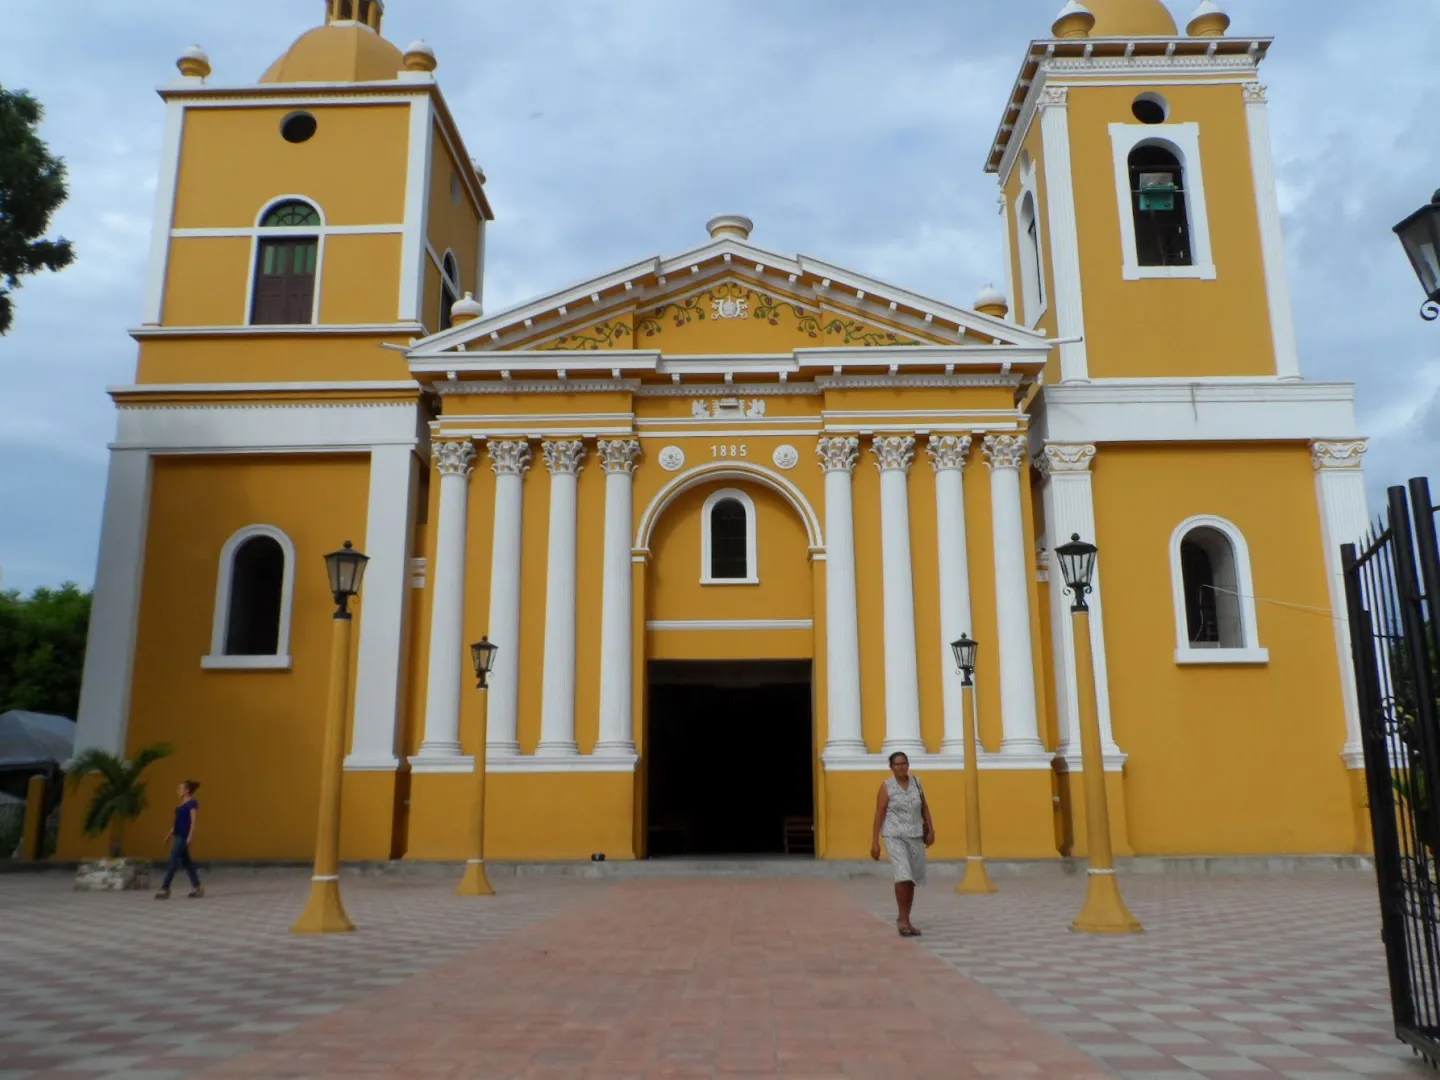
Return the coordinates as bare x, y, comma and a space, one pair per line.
192, 786
898, 754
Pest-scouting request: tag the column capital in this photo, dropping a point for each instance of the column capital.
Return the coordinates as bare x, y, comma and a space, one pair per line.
1055, 97
510, 457
893, 453
1255, 93
453, 457
564, 457
1338, 455
1066, 459
619, 455
838, 454
948, 451
1005, 451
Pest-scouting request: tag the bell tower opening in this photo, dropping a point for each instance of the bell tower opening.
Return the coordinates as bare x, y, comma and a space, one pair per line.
729, 758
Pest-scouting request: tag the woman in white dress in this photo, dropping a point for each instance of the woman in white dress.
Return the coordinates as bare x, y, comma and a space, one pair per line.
902, 818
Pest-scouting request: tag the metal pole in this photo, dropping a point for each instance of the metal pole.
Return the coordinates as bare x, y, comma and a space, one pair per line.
977, 877
475, 882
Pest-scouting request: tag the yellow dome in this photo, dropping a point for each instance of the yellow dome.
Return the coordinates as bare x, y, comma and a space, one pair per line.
337, 53
1131, 18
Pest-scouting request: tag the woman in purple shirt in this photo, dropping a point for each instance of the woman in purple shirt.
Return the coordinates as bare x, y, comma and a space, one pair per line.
181, 837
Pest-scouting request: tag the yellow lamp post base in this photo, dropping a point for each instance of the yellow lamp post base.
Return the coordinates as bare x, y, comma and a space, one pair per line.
324, 913
976, 880
475, 883
1105, 911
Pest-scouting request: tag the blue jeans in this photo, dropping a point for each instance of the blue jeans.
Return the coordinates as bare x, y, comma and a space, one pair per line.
180, 856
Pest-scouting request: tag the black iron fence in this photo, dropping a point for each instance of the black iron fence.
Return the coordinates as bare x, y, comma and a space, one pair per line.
1392, 589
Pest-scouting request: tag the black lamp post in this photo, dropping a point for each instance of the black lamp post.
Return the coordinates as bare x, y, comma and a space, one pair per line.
482, 654
1077, 566
346, 568
1420, 235
964, 650
476, 882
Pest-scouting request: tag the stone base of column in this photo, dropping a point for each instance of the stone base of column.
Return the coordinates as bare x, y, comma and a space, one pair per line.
431, 761
556, 749
908, 747
372, 763
953, 748
1069, 758
619, 750
1029, 753
499, 749
837, 749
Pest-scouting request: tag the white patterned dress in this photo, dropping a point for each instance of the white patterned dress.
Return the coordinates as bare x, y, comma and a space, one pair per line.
904, 830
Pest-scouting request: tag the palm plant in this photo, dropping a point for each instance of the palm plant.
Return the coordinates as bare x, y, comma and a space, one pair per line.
121, 796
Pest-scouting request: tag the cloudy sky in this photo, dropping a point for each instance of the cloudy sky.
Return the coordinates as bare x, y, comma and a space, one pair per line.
611, 130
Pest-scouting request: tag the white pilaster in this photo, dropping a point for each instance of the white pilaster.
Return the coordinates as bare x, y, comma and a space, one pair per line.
1069, 511
164, 220
510, 459
842, 632
440, 749
1272, 235
1344, 519
564, 458
417, 206
104, 715
619, 458
1064, 232
1013, 288
894, 455
1005, 456
384, 614
948, 454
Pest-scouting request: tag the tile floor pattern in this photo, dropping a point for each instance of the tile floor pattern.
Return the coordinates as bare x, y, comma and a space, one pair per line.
111, 985
1239, 976
1242, 976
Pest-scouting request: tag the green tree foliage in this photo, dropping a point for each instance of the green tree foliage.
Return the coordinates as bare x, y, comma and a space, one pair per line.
32, 187
42, 649
121, 796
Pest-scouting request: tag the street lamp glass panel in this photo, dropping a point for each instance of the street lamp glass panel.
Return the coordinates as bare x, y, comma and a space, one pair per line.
964, 650
1420, 235
482, 653
1077, 563
346, 568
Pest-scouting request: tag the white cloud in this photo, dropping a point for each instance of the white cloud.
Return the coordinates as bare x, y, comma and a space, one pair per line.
612, 129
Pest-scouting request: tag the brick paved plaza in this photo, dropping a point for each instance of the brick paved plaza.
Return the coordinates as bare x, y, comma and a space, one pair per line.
1237, 976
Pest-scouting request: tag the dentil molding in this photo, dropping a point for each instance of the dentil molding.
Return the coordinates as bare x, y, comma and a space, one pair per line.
565, 457
454, 458
838, 454
1338, 455
948, 451
1004, 451
619, 455
510, 457
893, 452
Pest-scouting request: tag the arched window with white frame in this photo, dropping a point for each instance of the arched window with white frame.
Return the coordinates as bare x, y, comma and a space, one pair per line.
1032, 274
286, 264
1214, 594
727, 540
254, 595
1164, 219
449, 288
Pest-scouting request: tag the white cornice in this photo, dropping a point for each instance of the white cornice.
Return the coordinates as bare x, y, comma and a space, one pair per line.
360, 386
913, 382
143, 333
661, 625
533, 386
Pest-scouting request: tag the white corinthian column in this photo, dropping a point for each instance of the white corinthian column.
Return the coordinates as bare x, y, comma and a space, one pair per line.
510, 459
894, 455
1005, 455
948, 454
440, 749
842, 633
564, 458
619, 458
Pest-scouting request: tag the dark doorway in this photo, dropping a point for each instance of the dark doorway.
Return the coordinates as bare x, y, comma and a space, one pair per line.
728, 758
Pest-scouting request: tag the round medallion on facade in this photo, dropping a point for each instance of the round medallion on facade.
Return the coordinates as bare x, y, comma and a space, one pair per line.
672, 458
786, 457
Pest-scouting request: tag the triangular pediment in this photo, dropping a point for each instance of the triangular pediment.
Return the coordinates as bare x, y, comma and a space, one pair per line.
726, 298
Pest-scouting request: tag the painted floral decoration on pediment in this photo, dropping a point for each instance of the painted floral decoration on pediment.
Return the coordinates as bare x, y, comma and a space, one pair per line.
615, 334
736, 302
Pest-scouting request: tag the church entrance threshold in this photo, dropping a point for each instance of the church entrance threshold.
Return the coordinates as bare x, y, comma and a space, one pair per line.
728, 758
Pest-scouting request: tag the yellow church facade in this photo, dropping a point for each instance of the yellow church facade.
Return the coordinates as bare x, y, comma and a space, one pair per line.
722, 512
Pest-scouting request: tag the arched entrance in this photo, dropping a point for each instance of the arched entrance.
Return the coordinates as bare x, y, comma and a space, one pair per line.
728, 743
